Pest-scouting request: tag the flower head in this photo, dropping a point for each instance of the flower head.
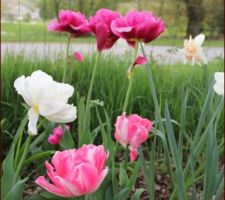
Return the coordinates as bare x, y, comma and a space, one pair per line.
132, 130
138, 26
74, 23
45, 97
56, 135
100, 26
78, 56
192, 51
75, 172
219, 85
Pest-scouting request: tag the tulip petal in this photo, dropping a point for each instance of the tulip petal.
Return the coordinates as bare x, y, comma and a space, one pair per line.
78, 56
100, 179
19, 85
218, 76
140, 60
65, 115
33, 119
50, 187
102, 33
219, 88
133, 154
199, 39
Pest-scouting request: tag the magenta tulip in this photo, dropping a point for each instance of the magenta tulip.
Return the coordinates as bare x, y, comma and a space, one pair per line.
138, 26
100, 26
132, 131
78, 56
74, 23
75, 172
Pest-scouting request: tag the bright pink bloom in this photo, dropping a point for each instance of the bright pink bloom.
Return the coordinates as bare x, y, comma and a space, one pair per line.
132, 130
75, 172
58, 131
78, 56
140, 60
74, 23
54, 139
142, 26
100, 26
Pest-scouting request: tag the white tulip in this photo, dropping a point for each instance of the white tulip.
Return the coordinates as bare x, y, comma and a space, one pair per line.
192, 51
47, 98
219, 85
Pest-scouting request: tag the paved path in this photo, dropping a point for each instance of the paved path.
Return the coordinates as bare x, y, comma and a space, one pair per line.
163, 54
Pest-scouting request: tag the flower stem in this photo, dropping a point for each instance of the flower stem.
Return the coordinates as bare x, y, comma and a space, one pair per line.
93, 78
67, 58
126, 157
25, 152
130, 78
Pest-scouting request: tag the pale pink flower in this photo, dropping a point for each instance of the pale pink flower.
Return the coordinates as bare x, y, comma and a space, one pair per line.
138, 26
69, 21
192, 51
132, 131
78, 56
75, 172
100, 26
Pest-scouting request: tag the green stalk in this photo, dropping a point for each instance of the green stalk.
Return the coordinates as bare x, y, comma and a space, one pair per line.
126, 157
158, 115
130, 77
25, 152
93, 78
67, 58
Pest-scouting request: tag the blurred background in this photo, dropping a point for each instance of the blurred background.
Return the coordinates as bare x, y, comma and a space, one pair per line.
26, 20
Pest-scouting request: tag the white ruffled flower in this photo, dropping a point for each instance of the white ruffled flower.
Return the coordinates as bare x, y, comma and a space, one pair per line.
47, 98
192, 51
219, 85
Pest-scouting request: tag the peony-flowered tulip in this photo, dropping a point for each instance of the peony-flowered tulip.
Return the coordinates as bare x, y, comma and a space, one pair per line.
132, 131
78, 56
219, 85
100, 26
45, 97
75, 172
69, 21
192, 51
138, 26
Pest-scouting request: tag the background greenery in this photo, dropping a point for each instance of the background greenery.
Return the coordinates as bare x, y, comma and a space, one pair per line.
110, 87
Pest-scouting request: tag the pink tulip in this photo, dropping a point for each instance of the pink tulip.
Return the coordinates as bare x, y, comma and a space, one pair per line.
100, 26
138, 26
140, 60
75, 172
78, 56
58, 131
74, 23
53, 139
132, 130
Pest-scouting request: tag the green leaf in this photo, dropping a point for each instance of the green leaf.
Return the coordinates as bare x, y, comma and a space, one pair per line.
122, 194
8, 173
175, 155
144, 169
137, 194
109, 193
16, 191
123, 177
67, 141
134, 176
84, 134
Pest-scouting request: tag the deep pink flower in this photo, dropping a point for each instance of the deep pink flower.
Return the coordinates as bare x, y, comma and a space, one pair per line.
142, 26
140, 60
74, 23
58, 131
132, 130
78, 56
75, 172
54, 139
100, 26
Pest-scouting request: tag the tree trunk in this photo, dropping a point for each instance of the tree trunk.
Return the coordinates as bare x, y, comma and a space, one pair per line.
195, 15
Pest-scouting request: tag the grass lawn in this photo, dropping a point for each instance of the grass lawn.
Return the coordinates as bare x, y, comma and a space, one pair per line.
37, 32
